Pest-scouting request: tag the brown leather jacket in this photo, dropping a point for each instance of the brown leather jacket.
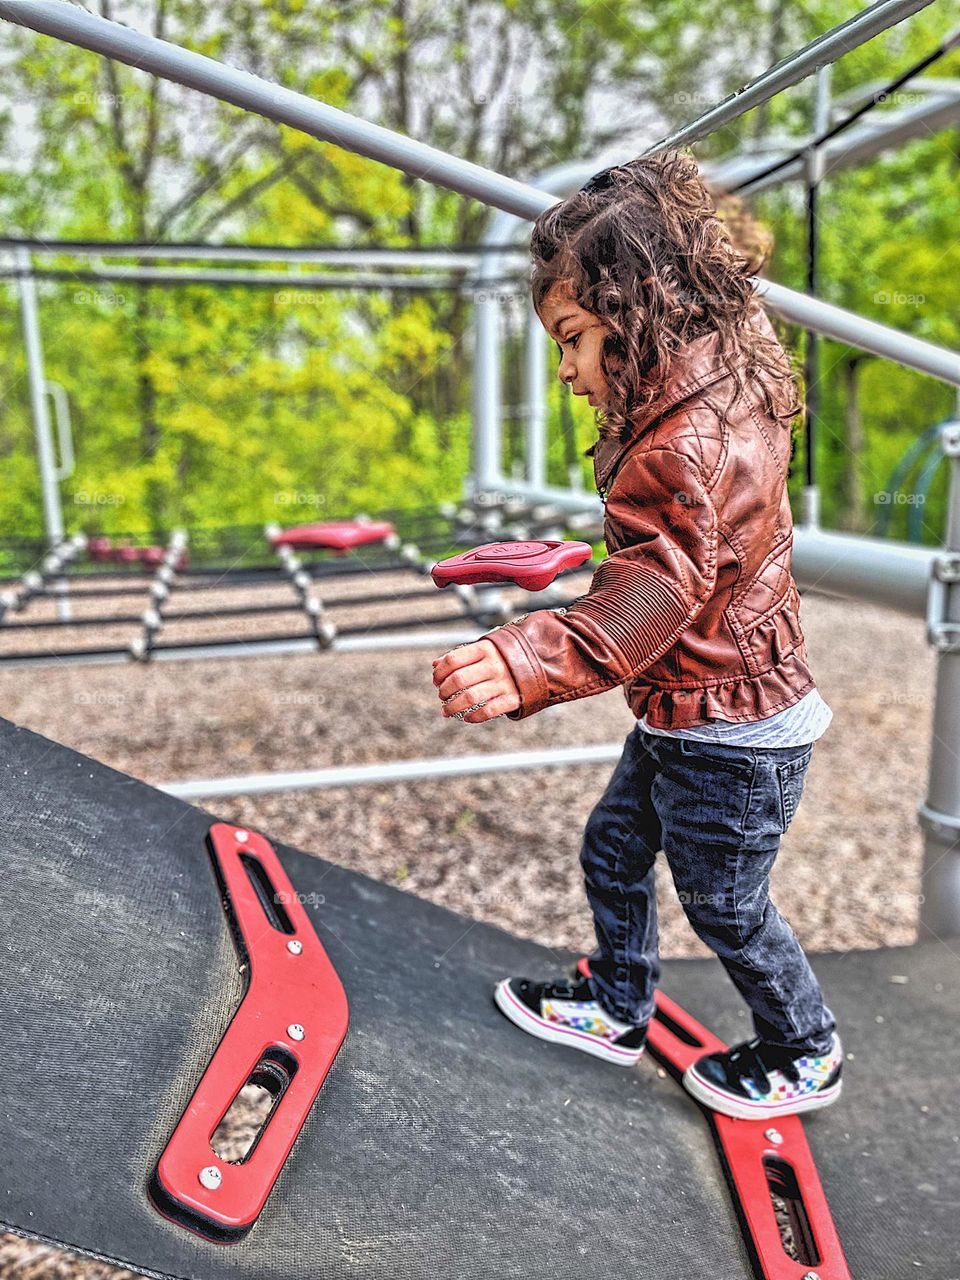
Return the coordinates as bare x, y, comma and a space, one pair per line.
694, 611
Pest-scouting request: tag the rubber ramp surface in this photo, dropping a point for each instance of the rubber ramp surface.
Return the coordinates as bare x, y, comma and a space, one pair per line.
444, 1143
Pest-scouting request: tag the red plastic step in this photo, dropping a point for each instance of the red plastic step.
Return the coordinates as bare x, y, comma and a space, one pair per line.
757, 1156
531, 565
334, 535
100, 549
284, 1037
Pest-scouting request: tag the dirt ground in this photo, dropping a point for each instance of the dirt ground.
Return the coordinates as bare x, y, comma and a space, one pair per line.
500, 847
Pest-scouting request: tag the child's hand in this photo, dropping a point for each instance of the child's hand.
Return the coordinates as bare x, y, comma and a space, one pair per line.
472, 673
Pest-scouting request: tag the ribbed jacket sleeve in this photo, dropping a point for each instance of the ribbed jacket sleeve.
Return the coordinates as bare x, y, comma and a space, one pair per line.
641, 598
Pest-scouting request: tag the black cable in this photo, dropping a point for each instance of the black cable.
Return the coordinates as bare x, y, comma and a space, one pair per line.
873, 101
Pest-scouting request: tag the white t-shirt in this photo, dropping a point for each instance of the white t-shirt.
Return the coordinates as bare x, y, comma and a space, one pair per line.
804, 722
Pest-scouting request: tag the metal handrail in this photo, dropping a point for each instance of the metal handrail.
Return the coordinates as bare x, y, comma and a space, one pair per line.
329, 124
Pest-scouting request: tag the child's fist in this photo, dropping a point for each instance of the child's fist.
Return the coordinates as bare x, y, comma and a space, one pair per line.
475, 673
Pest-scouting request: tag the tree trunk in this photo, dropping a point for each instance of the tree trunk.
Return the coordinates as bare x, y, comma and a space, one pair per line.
853, 514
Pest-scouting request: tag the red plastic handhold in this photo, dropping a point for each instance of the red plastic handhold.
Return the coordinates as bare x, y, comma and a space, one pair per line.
531, 565
334, 535
758, 1156
284, 1037
99, 549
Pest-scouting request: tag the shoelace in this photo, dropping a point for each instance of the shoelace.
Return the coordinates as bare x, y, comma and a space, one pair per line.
752, 1061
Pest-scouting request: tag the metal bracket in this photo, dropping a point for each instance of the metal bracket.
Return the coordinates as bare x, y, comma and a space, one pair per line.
943, 634
950, 439
814, 162
938, 824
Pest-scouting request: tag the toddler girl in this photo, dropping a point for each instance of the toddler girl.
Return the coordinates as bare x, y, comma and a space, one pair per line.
694, 612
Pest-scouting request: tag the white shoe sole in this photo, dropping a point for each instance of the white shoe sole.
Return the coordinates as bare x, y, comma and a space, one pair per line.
716, 1100
527, 1020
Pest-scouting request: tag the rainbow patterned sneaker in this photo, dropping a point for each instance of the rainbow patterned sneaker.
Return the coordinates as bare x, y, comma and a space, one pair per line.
566, 1012
756, 1081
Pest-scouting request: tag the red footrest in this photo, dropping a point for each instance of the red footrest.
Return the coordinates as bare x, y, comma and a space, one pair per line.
283, 1037
758, 1156
334, 535
531, 565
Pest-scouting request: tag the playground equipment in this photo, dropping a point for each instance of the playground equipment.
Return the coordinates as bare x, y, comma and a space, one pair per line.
335, 547
531, 565
393, 1130
283, 1038
434, 1125
925, 454
102, 550
167, 564
36, 582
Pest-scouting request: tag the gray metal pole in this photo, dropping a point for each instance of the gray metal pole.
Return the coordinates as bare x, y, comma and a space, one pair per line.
797, 66
487, 461
432, 638
859, 332
368, 256
50, 488
939, 813
536, 393
814, 174
281, 280
258, 784
487, 389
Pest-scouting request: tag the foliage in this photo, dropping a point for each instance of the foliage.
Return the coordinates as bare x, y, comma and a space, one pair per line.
198, 406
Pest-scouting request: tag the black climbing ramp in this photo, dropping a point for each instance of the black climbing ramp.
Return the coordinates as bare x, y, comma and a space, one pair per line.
444, 1142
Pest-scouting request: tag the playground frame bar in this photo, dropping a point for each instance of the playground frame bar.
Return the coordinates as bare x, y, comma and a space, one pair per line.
940, 813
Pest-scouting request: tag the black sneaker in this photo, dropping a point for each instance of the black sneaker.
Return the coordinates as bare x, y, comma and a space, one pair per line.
756, 1081
566, 1012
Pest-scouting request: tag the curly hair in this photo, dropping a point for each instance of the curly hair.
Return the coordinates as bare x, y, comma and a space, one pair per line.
645, 248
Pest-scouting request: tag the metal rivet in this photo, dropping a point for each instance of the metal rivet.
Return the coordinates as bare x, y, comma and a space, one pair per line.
811, 1275
241, 837
294, 947
776, 1137
211, 1177
295, 1031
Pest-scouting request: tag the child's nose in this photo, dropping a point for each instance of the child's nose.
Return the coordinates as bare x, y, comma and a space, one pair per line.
567, 371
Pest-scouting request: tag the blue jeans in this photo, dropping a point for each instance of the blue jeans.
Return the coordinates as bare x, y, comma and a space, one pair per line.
717, 812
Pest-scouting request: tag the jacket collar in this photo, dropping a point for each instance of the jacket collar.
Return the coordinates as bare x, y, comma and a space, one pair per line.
695, 366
